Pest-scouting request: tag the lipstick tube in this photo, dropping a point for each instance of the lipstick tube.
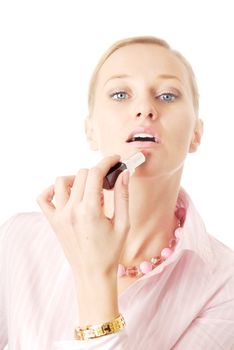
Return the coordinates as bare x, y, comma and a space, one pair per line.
130, 164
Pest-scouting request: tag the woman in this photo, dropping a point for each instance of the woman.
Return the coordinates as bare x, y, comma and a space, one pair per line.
132, 267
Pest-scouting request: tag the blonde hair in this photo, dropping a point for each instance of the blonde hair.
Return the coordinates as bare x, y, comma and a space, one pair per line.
142, 40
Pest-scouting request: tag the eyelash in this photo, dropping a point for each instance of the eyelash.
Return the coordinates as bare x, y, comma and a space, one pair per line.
117, 93
174, 96
168, 94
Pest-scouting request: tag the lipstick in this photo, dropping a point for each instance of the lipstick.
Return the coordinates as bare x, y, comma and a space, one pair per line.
130, 164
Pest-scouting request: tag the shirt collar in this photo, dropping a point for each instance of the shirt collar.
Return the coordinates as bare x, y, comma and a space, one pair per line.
194, 236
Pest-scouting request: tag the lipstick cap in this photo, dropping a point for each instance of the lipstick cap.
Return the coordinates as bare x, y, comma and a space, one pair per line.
130, 164
134, 161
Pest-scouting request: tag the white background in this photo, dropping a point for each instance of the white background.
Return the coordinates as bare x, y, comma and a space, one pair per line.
48, 51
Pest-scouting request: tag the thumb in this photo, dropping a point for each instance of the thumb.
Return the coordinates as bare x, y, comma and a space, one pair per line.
121, 202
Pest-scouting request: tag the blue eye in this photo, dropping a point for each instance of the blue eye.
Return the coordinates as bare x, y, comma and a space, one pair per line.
167, 97
119, 95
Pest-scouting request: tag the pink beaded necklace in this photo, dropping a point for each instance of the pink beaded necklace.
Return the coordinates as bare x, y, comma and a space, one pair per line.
147, 266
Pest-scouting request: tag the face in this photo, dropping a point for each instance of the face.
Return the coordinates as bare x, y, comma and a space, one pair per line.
143, 102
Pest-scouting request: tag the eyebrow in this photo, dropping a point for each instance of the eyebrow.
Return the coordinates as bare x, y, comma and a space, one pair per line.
168, 76
117, 76
161, 76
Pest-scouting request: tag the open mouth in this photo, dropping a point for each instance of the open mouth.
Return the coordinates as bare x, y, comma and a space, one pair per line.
143, 138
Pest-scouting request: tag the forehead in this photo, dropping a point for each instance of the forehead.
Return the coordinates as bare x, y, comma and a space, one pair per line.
149, 60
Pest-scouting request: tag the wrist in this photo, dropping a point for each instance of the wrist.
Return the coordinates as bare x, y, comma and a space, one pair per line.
83, 272
97, 297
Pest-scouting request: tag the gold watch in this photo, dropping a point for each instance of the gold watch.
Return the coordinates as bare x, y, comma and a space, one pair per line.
95, 331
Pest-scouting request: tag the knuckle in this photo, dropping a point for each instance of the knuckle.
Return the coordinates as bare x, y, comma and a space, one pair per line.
125, 195
60, 180
82, 171
95, 171
90, 211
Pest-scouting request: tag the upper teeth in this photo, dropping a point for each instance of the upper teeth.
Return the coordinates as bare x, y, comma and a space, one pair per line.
143, 135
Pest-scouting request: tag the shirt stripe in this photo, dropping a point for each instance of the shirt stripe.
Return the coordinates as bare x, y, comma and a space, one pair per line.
187, 302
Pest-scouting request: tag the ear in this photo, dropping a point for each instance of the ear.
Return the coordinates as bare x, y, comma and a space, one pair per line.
197, 135
90, 134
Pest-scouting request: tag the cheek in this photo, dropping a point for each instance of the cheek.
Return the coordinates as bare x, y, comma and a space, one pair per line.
108, 133
182, 131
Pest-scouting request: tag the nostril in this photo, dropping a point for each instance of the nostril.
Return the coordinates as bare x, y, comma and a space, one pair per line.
150, 115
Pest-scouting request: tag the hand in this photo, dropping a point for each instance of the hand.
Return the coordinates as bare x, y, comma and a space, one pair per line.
90, 240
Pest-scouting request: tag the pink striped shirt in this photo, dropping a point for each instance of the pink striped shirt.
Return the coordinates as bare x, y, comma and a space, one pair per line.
186, 303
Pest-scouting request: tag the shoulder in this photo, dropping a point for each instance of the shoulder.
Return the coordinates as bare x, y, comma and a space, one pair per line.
222, 260
217, 256
28, 245
222, 253
22, 222
22, 229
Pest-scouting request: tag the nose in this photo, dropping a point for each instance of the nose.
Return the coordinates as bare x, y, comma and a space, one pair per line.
146, 110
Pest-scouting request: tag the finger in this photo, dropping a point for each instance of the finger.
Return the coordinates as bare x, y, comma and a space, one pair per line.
94, 183
121, 202
44, 200
62, 188
78, 187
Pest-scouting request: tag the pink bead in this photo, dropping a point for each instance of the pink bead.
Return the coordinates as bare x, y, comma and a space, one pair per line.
166, 252
146, 267
178, 232
121, 270
180, 213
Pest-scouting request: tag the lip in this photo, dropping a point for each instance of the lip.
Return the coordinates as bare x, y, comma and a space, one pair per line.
146, 130
143, 144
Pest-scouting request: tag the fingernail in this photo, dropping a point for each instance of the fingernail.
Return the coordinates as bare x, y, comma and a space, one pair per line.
125, 178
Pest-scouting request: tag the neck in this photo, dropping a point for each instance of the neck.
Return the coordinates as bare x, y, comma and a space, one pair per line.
152, 217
